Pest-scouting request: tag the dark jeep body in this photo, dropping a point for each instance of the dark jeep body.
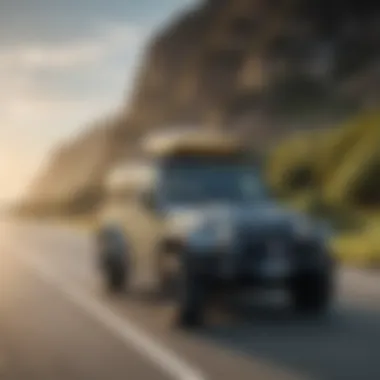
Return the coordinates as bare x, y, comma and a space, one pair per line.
220, 231
260, 247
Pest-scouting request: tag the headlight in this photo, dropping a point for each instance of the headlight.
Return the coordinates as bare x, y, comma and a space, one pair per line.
211, 236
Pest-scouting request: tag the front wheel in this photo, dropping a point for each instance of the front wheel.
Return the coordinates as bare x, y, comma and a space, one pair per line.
312, 293
191, 298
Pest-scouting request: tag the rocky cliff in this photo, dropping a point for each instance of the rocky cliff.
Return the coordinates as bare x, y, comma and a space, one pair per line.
256, 66
230, 61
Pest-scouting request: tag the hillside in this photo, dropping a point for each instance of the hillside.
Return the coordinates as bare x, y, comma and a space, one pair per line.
232, 62
259, 67
342, 164
336, 174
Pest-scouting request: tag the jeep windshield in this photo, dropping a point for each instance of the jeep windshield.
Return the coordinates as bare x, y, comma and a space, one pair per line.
194, 181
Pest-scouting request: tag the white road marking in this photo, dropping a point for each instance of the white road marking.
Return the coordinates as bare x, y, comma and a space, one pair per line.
128, 332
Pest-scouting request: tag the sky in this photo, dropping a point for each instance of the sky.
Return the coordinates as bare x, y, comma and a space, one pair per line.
64, 63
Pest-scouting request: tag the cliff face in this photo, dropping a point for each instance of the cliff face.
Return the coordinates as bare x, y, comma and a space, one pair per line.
76, 169
230, 61
255, 66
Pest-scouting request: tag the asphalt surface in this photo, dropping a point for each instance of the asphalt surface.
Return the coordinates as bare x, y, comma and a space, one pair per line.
57, 323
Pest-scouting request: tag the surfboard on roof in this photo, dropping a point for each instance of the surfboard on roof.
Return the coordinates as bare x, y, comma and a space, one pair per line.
193, 142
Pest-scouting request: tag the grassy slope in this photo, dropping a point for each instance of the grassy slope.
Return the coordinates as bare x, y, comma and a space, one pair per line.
340, 167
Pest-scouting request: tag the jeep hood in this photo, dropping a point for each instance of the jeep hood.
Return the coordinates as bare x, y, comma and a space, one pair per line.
180, 220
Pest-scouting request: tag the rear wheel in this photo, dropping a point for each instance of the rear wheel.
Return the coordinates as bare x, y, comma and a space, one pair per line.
116, 277
114, 260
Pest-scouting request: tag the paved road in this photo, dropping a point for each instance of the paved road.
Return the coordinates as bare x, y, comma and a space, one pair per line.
56, 323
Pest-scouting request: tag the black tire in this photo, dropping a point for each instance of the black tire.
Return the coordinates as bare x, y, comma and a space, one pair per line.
191, 299
116, 278
312, 293
115, 266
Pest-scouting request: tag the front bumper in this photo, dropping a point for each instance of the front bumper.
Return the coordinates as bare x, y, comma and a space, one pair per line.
261, 266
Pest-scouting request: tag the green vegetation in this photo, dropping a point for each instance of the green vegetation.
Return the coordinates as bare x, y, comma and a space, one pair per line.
336, 174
